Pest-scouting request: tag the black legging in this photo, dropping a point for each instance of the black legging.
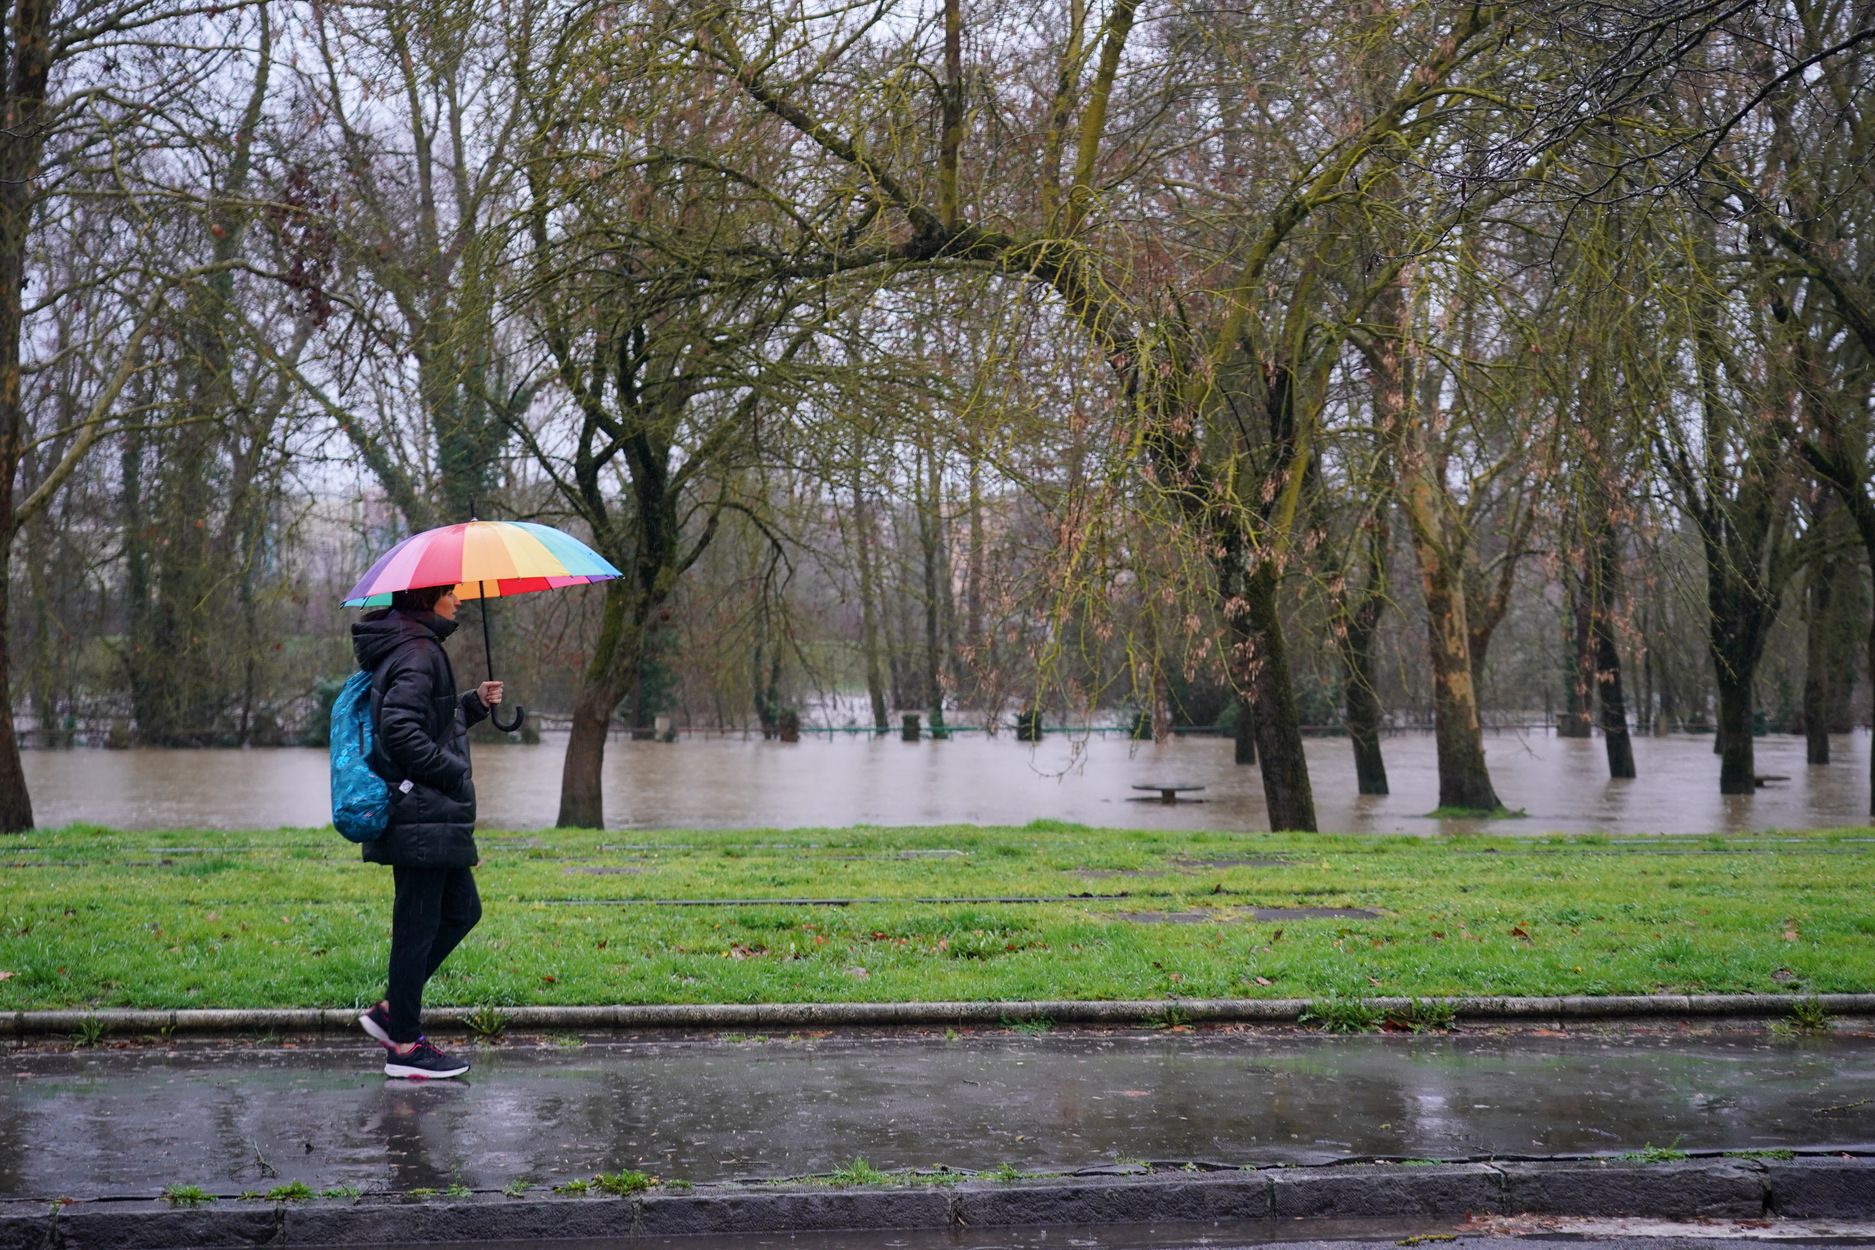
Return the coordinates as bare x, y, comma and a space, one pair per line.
434, 910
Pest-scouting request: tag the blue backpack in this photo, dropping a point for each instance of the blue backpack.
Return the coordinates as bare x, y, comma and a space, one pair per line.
361, 800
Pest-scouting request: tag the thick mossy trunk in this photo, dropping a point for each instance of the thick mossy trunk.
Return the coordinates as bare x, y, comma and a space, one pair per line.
1464, 781
1438, 547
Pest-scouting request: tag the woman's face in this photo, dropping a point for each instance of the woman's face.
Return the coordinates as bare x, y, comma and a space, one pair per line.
447, 605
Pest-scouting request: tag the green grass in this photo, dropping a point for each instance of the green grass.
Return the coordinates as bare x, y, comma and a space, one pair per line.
1422, 1017
620, 1184
858, 1172
1342, 1015
1809, 1016
91, 918
486, 1023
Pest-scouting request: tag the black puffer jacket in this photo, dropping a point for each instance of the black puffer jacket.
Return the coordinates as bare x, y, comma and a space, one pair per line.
423, 736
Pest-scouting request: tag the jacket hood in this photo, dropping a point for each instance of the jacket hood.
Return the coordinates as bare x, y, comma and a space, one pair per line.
383, 631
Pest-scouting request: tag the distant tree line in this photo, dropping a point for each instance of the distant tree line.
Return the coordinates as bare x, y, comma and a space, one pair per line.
1274, 369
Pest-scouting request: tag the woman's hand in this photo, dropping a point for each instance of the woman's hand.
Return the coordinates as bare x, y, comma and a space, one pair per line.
489, 692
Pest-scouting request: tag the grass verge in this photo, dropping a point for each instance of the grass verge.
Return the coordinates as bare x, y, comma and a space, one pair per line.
93, 918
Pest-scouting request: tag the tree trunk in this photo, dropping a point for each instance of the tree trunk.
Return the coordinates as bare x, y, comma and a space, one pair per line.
1739, 616
22, 134
1737, 769
1464, 781
601, 686
1871, 672
1363, 715
1647, 719
868, 610
1355, 640
1819, 658
42, 680
973, 578
1245, 732
931, 540
16, 804
1608, 691
1576, 720
1278, 727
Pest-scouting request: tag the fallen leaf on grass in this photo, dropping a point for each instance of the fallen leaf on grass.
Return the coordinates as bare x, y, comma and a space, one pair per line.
1264, 981
1517, 931
7, 976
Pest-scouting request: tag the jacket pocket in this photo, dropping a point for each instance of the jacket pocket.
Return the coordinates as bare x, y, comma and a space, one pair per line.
445, 710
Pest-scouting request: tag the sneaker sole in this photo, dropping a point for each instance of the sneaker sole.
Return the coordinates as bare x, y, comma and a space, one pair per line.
409, 1073
376, 1033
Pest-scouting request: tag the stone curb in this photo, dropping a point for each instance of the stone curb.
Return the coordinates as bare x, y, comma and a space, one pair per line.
628, 1017
1828, 1187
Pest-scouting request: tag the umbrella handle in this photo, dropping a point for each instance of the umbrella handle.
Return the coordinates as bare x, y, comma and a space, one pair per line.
494, 714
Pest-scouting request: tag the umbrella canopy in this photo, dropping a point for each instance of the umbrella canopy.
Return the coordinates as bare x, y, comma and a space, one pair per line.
482, 560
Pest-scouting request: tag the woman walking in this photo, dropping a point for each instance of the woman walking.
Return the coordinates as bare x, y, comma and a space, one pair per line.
422, 749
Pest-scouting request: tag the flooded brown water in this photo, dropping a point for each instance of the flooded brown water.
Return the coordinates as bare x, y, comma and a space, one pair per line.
1562, 785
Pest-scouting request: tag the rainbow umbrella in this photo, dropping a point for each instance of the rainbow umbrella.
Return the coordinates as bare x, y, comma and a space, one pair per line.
483, 560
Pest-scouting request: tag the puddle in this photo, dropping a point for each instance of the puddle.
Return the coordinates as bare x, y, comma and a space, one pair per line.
129, 1122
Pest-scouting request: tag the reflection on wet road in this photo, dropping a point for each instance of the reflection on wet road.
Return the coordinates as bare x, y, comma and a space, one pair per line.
238, 1118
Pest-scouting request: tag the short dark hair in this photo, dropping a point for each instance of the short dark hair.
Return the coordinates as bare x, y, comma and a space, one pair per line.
418, 599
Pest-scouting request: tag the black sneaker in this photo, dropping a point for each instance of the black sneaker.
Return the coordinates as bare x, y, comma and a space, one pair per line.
377, 1022
424, 1062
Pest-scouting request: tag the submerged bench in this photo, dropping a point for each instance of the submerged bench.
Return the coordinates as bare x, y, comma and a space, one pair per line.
1167, 793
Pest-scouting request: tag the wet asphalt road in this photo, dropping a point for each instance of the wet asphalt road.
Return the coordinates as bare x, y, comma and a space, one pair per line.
235, 1117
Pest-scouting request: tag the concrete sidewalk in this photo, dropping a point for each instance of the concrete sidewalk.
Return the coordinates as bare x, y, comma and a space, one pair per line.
1122, 1124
